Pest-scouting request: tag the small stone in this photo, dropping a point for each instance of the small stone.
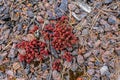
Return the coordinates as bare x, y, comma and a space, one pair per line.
30, 14
9, 72
67, 64
117, 50
95, 78
75, 52
22, 51
7, 33
74, 67
92, 59
27, 69
80, 59
97, 63
70, 49
39, 18
105, 56
112, 20
6, 17
3, 55
108, 1
56, 75
97, 43
30, 37
47, 6
71, 7
19, 27
16, 65
91, 71
85, 32
103, 70
12, 51
44, 67
77, 11
91, 64
63, 5
96, 52
86, 55
14, 16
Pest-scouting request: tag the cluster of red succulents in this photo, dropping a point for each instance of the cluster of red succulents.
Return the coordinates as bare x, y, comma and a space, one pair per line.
61, 37
48, 32
61, 34
56, 65
67, 56
34, 49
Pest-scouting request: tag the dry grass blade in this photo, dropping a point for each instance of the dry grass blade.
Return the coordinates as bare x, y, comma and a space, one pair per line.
95, 18
117, 68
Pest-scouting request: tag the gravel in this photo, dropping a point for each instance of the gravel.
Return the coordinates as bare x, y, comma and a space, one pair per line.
97, 50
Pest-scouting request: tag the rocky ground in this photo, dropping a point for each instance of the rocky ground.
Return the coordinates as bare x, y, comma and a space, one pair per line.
94, 50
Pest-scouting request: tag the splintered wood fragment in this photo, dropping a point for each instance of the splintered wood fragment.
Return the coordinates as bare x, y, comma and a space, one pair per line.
75, 16
84, 6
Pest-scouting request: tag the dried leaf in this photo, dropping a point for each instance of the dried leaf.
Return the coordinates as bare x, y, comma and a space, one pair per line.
2, 68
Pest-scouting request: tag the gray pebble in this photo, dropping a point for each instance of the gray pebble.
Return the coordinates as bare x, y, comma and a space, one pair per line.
12, 51
75, 52
27, 70
108, 1
53, 52
19, 27
82, 15
77, 11
85, 32
63, 5
107, 27
1, 9
80, 59
86, 55
104, 70
30, 14
6, 17
71, 7
91, 71
91, 65
97, 63
44, 67
74, 67
6, 11
112, 20
95, 78
70, 49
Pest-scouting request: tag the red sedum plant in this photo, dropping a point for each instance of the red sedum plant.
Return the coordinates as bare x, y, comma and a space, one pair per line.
56, 65
67, 56
60, 34
34, 49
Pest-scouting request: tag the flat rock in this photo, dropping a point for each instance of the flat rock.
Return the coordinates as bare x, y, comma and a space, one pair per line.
103, 70
80, 59
108, 1
112, 20
91, 71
